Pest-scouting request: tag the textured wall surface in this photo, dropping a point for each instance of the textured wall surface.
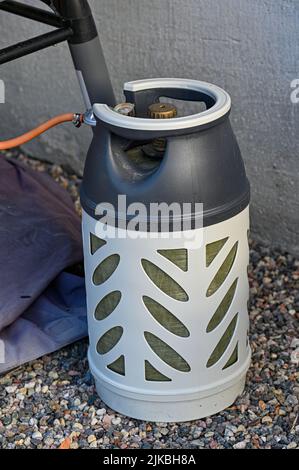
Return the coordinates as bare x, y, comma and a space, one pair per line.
249, 47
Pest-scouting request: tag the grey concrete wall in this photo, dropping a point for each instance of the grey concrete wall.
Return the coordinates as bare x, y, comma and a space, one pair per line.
249, 47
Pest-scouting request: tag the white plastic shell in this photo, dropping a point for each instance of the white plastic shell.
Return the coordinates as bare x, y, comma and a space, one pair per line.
203, 390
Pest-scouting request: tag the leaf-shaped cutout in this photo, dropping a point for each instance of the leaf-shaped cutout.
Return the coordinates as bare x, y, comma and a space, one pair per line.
223, 271
212, 250
109, 339
107, 305
105, 269
223, 308
223, 343
153, 375
233, 359
96, 243
118, 366
179, 257
166, 353
165, 318
164, 282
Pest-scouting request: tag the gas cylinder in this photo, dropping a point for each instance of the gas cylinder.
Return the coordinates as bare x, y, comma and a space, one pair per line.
165, 202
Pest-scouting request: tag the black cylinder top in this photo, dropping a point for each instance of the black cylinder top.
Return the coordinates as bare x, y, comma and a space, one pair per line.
202, 161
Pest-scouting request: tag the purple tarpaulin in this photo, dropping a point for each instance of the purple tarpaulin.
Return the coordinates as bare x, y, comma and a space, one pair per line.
41, 308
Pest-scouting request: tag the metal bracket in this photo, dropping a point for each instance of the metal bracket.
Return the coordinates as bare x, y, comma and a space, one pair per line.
89, 118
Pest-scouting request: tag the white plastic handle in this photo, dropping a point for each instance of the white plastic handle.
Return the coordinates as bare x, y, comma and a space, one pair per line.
221, 107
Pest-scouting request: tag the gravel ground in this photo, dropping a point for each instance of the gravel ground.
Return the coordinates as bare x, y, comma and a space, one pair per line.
52, 403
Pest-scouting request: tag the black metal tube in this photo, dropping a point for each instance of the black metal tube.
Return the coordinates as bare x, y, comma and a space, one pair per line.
32, 13
86, 51
35, 44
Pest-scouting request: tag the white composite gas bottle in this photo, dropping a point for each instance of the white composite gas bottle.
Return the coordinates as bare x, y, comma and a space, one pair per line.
167, 291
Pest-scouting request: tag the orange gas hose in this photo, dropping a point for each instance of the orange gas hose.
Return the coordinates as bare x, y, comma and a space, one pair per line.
23, 139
